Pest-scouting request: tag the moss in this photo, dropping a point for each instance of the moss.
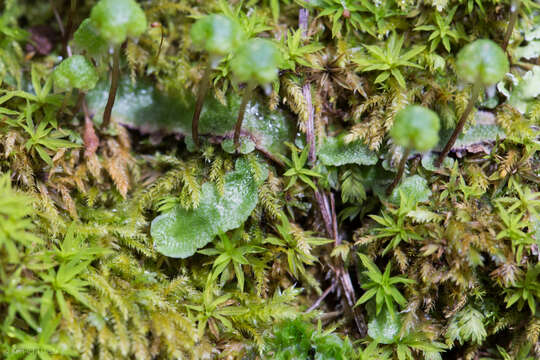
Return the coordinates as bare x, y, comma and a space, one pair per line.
272, 267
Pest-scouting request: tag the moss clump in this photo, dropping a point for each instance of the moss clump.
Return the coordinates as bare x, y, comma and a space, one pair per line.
136, 240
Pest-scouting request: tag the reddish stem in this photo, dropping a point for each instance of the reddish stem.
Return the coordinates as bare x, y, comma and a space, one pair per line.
474, 95
401, 170
203, 89
112, 91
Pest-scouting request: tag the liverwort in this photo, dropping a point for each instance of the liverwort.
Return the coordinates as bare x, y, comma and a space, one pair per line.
116, 20
75, 72
218, 36
481, 63
255, 63
415, 127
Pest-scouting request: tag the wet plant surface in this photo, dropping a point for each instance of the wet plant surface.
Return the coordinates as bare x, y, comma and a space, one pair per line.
269, 179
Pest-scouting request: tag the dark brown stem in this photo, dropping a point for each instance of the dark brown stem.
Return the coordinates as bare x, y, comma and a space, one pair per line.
321, 298
514, 9
79, 102
201, 94
241, 112
401, 170
69, 26
524, 65
112, 91
474, 95
155, 25
63, 105
57, 17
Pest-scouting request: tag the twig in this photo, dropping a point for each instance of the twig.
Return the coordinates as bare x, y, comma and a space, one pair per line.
337, 239
345, 278
328, 211
524, 65
310, 131
325, 211
65, 34
69, 26
321, 298
303, 17
58, 18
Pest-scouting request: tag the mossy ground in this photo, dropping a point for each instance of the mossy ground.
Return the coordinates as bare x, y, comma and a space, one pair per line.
452, 253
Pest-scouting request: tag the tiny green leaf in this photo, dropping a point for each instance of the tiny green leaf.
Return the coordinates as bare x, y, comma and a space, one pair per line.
75, 72
87, 38
118, 19
217, 34
257, 60
482, 61
416, 127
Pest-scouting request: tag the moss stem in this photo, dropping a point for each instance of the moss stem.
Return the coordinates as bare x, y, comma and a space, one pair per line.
201, 95
474, 95
401, 170
112, 91
241, 112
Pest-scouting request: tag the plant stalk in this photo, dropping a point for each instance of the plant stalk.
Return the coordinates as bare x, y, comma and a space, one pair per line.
514, 10
241, 112
474, 95
79, 103
64, 104
401, 170
201, 95
112, 91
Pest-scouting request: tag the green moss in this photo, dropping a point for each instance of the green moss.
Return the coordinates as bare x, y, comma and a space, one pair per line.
131, 242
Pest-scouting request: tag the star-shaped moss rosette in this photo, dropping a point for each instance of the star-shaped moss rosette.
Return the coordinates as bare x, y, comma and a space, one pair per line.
256, 63
219, 36
110, 24
415, 128
481, 63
